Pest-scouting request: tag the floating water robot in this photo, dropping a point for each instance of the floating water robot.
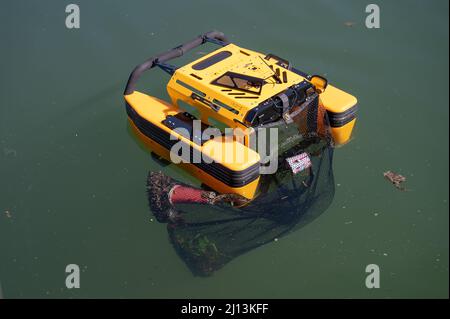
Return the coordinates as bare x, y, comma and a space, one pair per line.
240, 204
239, 88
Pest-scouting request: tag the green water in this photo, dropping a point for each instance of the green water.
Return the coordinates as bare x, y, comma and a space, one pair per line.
72, 177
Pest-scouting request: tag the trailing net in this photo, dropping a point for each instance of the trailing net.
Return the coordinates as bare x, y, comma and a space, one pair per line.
208, 229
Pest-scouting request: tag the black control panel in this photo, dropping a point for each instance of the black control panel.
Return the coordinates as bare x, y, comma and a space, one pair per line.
272, 109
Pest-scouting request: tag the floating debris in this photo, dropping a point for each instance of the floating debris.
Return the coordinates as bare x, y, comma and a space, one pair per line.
299, 162
164, 193
395, 179
349, 24
8, 214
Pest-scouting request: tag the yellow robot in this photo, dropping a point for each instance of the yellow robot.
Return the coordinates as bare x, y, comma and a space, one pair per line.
239, 88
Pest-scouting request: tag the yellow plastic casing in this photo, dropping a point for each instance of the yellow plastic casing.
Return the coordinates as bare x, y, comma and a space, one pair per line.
240, 60
341, 108
218, 149
191, 79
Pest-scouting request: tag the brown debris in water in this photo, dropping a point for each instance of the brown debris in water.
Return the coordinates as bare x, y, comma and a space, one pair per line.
232, 199
160, 188
395, 179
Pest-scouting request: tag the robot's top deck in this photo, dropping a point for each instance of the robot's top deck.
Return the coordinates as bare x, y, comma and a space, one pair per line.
234, 78
243, 88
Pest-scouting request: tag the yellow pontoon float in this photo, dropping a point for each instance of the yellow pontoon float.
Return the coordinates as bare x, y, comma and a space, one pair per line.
239, 88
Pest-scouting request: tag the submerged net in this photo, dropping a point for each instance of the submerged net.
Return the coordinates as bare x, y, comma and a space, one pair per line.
208, 229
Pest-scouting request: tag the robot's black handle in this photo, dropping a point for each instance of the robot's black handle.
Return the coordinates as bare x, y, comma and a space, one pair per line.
176, 52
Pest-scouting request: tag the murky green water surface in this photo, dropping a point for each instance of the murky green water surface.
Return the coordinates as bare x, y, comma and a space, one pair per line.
72, 177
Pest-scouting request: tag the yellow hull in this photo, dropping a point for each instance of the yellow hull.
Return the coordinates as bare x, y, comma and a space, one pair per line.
227, 176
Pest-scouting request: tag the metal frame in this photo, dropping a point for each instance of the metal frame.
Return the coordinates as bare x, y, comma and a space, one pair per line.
159, 60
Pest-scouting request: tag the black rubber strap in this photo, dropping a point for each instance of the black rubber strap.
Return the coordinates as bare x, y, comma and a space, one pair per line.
172, 54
